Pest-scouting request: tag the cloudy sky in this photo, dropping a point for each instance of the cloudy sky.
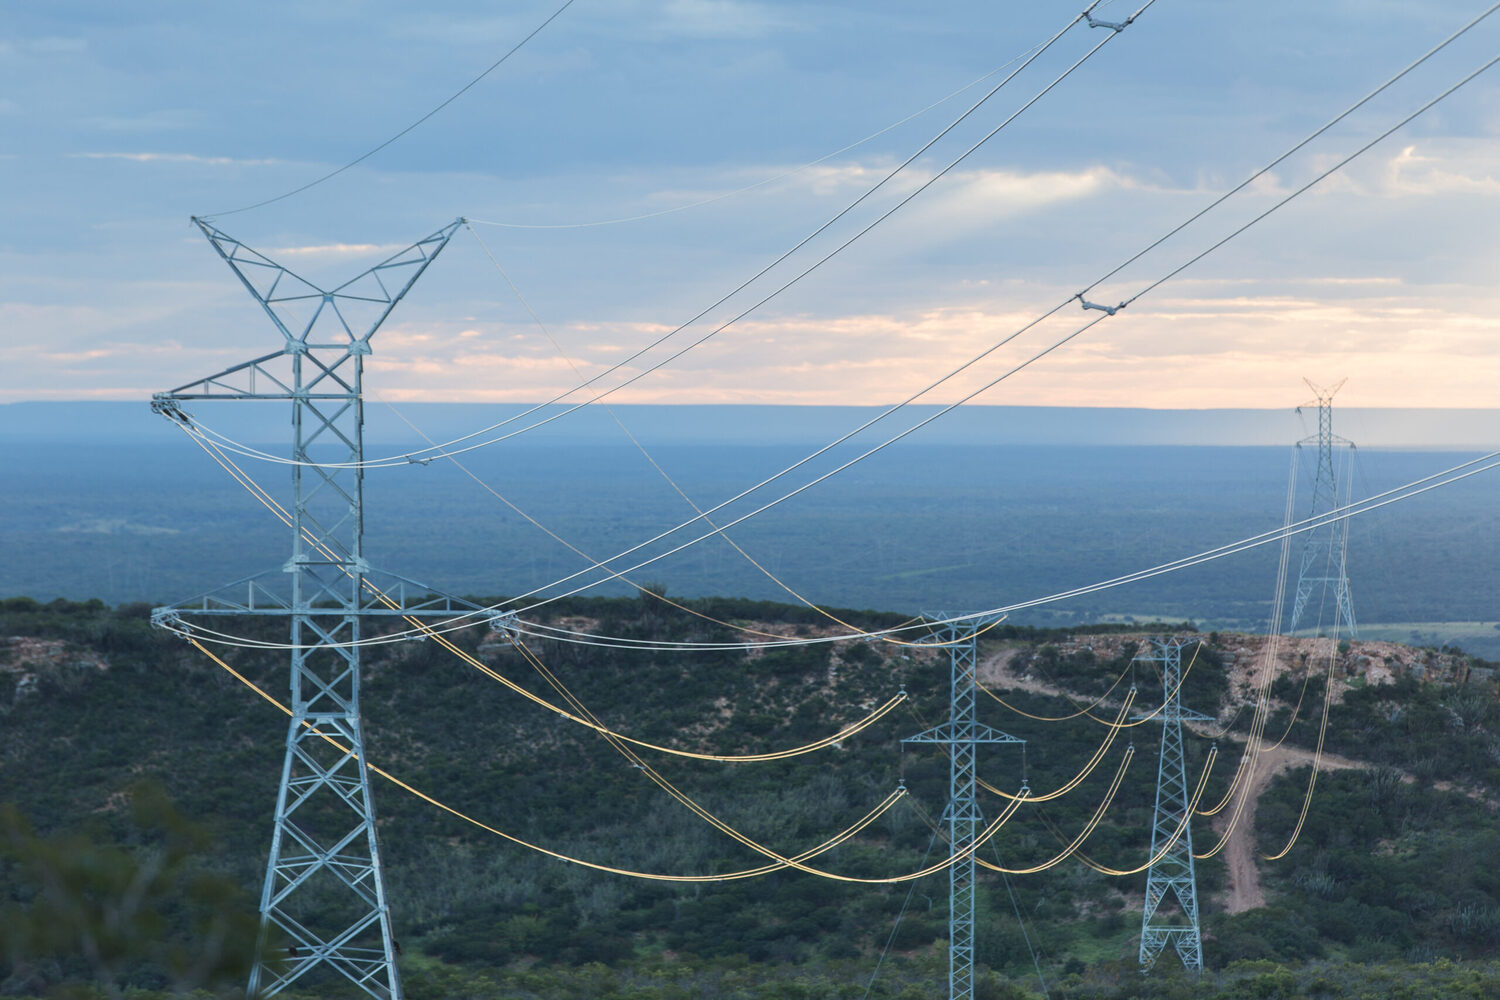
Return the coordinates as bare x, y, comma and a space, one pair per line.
707, 127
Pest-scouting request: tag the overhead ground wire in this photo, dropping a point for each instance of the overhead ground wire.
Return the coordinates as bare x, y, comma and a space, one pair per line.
780, 861
1088, 712
405, 458
360, 159
1252, 178
408, 457
536, 629
1269, 656
641, 217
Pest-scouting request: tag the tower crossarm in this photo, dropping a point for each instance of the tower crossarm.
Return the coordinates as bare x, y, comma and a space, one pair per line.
321, 330
385, 595
1184, 714
301, 310
947, 732
325, 590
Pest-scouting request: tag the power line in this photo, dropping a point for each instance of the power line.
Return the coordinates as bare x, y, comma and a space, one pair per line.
360, 159
1147, 289
768, 180
1405, 492
413, 456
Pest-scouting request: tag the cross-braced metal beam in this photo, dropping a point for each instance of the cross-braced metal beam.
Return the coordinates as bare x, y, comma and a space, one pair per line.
1323, 554
961, 735
324, 895
1172, 877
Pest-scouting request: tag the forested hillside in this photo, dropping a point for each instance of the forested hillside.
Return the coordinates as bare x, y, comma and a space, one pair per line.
1388, 883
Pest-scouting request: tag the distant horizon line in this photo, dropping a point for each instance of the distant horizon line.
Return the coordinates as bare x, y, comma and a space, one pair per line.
135, 400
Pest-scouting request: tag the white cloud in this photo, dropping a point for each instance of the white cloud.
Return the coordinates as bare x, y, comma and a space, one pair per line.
1413, 173
156, 120
211, 161
723, 19
336, 250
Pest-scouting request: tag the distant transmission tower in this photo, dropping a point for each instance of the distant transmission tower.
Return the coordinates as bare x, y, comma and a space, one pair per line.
961, 734
1323, 554
324, 900
1173, 873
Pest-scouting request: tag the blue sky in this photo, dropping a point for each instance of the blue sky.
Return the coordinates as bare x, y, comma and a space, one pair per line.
120, 121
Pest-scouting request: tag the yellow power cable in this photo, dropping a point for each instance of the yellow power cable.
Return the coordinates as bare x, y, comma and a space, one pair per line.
1258, 722
649, 771
1171, 841
823, 848
718, 824
271, 504
1246, 773
1084, 710
529, 519
1088, 829
1081, 775
651, 461
1117, 724
1312, 779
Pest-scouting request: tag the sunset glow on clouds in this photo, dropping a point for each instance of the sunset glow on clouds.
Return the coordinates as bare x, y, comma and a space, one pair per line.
1383, 274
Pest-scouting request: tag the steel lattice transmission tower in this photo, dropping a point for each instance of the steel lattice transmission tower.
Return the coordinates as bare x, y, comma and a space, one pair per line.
1173, 873
1323, 554
962, 734
324, 896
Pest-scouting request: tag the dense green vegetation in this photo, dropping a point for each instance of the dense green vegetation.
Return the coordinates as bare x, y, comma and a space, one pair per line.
1388, 874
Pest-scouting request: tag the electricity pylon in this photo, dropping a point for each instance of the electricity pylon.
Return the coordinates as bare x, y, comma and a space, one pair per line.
1323, 563
961, 734
1171, 826
324, 898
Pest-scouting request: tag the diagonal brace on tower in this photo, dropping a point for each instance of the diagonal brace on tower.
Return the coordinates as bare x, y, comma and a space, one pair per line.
324, 898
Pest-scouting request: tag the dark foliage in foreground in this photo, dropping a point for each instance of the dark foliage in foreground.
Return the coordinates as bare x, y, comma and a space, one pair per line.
1389, 872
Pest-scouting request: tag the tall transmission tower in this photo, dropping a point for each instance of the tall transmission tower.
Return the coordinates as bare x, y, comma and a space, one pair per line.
1172, 874
323, 905
1323, 554
962, 734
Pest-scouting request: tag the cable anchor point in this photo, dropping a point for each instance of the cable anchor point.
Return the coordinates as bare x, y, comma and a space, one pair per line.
1111, 310
169, 409
1115, 26
506, 627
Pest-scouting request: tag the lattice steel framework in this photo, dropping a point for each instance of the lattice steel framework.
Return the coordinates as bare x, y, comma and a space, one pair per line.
1323, 554
962, 734
324, 902
1173, 873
